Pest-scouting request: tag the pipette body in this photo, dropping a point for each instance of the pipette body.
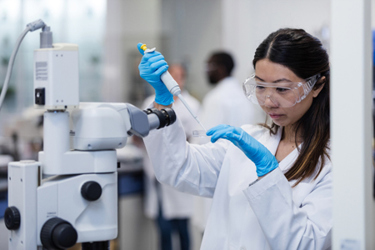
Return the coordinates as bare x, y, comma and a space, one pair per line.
173, 87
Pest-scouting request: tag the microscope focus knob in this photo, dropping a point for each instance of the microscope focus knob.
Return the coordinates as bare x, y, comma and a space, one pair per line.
57, 233
12, 218
91, 190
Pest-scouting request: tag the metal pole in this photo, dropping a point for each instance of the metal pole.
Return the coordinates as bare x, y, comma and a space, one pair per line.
351, 125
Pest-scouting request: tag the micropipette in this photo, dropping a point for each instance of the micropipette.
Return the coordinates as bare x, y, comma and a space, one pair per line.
173, 87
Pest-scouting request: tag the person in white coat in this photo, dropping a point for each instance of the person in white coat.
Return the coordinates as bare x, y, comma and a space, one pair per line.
271, 185
171, 209
217, 109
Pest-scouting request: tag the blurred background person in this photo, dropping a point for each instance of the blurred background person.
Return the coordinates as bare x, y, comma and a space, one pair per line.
217, 107
225, 103
171, 209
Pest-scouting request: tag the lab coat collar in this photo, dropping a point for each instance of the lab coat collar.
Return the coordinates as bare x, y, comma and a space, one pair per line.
272, 144
228, 79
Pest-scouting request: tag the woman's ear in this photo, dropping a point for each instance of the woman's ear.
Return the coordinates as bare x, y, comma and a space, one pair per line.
321, 82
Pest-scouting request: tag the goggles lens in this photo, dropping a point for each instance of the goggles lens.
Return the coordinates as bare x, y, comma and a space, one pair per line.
285, 94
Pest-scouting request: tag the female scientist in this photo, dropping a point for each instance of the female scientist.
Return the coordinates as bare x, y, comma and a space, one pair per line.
271, 185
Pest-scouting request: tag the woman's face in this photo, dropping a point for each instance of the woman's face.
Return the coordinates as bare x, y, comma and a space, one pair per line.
270, 72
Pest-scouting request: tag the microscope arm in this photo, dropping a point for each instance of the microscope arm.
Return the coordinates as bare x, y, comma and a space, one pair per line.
102, 126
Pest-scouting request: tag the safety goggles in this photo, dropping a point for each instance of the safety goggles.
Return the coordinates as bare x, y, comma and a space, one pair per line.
282, 94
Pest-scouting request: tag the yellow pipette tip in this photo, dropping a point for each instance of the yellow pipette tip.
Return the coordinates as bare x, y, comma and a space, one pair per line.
144, 47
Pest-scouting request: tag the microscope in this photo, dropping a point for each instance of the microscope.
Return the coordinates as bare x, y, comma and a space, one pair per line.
70, 195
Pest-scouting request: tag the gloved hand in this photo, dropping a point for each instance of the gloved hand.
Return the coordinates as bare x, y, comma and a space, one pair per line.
264, 161
152, 66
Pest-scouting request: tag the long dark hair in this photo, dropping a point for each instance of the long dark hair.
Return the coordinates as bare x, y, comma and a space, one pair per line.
305, 56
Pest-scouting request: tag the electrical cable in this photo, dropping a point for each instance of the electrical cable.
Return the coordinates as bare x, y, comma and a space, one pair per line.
29, 27
10, 66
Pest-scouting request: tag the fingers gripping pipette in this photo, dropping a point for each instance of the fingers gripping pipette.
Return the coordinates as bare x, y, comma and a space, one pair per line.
173, 87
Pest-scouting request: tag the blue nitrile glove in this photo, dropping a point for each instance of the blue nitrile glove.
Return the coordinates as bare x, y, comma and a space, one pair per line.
151, 68
264, 161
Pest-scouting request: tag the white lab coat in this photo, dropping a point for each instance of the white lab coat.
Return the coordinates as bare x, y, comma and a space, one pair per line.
224, 104
175, 204
268, 214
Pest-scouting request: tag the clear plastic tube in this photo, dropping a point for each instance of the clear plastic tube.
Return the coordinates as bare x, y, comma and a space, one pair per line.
199, 133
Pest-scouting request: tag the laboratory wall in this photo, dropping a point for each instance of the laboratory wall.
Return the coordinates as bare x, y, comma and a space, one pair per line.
188, 31
194, 29
127, 23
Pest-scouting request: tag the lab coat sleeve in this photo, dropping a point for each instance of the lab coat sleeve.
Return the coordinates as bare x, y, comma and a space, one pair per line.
286, 225
189, 168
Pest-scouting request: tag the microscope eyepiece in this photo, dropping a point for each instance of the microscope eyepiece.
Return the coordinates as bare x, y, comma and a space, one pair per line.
165, 117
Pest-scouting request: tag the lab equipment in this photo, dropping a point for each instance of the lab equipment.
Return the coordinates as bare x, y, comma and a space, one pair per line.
69, 195
283, 94
164, 75
264, 161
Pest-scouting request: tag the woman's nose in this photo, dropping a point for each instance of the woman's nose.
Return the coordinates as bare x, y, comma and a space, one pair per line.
269, 102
